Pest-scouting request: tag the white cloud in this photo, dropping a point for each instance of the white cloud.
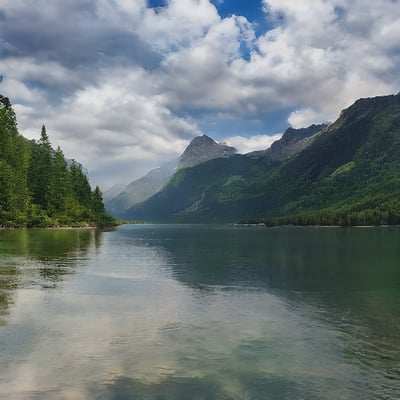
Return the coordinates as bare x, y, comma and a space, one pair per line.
331, 51
177, 24
247, 144
200, 76
124, 85
319, 57
110, 125
304, 117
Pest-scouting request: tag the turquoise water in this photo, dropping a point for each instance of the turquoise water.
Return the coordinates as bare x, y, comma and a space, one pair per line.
200, 312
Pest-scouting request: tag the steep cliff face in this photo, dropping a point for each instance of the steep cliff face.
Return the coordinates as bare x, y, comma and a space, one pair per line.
202, 149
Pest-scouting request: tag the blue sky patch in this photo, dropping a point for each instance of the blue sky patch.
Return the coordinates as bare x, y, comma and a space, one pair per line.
156, 3
251, 10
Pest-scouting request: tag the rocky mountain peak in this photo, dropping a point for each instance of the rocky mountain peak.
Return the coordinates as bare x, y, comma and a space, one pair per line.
203, 148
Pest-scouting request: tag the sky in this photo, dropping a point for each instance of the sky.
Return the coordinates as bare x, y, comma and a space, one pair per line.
124, 85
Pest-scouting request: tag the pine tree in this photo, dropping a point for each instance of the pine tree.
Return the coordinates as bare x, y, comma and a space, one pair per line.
40, 170
80, 184
59, 187
97, 201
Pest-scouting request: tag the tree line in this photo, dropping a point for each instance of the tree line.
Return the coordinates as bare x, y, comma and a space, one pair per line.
39, 187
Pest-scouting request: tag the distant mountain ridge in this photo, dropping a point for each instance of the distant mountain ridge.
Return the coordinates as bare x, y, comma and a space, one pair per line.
202, 149
140, 189
346, 173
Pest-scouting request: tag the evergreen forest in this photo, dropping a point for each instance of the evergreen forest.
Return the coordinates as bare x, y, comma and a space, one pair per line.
39, 187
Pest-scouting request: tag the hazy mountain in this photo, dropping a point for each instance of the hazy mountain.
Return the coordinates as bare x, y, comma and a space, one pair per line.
113, 191
344, 173
140, 189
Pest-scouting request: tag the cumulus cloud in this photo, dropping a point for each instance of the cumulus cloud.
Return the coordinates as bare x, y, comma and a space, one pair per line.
321, 57
333, 51
121, 86
200, 76
178, 23
114, 126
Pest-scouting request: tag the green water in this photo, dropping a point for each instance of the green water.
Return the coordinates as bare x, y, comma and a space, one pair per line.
200, 312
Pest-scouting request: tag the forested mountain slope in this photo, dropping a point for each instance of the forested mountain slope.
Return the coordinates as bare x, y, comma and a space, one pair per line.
37, 186
348, 174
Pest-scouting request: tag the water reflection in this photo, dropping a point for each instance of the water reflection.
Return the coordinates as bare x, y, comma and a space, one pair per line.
201, 388
347, 278
38, 257
177, 312
299, 259
47, 244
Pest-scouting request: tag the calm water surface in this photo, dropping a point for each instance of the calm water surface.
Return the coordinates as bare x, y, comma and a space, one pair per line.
200, 312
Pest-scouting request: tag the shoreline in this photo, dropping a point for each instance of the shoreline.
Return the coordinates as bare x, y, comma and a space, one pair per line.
263, 225
59, 228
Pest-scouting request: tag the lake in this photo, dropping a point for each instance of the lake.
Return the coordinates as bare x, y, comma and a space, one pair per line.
200, 312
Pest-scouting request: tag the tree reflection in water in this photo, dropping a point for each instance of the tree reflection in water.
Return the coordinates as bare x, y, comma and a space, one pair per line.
39, 257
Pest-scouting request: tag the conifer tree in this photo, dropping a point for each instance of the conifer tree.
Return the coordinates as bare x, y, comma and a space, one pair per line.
80, 184
59, 185
97, 201
39, 170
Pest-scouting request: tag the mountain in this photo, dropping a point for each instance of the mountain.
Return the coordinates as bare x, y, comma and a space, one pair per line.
202, 149
140, 189
292, 142
113, 191
199, 150
343, 174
